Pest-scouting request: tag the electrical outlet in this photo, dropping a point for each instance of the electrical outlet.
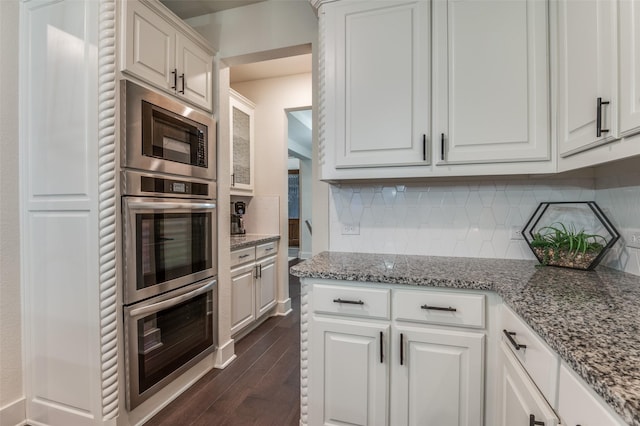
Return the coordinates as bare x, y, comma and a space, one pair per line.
632, 238
516, 233
351, 228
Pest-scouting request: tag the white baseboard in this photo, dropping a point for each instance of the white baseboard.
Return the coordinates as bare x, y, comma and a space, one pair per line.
283, 308
225, 354
14, 414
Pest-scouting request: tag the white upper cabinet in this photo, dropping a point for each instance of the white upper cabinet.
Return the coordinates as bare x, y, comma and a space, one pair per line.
241, 116
377, 82
587, 65
162, 53
491, 81
629, 31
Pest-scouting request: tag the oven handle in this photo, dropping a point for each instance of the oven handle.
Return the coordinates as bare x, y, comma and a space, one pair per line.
157, 307
164, 205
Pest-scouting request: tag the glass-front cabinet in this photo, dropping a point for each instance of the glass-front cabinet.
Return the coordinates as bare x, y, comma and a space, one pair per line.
242, 144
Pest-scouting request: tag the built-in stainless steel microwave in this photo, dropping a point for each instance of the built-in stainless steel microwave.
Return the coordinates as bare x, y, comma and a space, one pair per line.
162, 135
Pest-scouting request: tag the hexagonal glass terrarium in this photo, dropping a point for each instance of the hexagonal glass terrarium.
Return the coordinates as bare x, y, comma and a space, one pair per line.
569, 234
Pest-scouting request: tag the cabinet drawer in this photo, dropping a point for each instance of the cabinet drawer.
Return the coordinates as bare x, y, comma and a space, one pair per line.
238, 257
540, 361
436, 307
266, 249
577, 404
352, 301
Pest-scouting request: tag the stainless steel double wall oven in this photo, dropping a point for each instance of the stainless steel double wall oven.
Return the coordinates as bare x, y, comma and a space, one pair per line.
169, 238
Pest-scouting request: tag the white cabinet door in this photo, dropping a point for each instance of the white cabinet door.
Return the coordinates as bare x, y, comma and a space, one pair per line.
519, 399
437, 377
377, 86
150, 46
242, 297
491, 81
587, 65
349, 379
266, 285
629, 40
242, 144
195, 67
578, 405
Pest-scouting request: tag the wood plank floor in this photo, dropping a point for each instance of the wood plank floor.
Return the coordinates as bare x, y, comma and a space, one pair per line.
261, 387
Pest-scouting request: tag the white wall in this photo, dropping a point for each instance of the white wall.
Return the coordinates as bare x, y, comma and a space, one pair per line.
11, 389
272, 98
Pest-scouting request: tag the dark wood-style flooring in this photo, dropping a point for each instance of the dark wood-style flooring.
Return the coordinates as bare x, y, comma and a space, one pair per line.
260, 387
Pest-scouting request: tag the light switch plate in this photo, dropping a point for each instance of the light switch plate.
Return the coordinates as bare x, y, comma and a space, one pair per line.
632, 238
352, 228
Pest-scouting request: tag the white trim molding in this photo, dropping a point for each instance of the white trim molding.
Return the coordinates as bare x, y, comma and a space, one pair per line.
14, 414
107, 208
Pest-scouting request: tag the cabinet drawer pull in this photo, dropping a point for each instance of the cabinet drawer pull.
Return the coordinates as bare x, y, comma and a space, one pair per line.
268, 249
401, 348
349, 302
243, 256
533, 422
381, 353
438, 308
599, 129
182, 77
515, 344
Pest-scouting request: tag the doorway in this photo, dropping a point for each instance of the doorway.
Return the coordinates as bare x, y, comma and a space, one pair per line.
299, 136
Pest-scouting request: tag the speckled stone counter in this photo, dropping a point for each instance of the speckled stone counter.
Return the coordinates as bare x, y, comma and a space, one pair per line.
248, 240
592, 319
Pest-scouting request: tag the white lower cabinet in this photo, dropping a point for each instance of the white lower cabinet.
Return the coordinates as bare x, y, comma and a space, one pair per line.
351, 376
437, 377
578, 405
368, 368
253, 285
520, 401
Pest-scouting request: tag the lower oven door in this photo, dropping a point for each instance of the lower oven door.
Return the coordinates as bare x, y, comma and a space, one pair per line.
167, 335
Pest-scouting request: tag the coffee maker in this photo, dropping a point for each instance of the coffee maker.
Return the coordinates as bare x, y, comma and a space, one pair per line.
237, 222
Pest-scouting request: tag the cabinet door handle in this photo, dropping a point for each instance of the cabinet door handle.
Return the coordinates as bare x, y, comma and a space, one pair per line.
533, 422
424, 147
182, 77
599, 129
260, 271
255, 272
175, 79
381, 353
233, 179
442, 146
349, 302
515, 344
438, 308
401, 348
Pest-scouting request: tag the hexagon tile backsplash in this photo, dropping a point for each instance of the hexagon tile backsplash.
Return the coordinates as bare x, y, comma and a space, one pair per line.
463, 218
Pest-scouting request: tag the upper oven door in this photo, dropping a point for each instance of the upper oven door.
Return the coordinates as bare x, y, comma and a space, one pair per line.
169, 243
163, 135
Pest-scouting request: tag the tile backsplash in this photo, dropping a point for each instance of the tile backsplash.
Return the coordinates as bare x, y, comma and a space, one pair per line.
475, 218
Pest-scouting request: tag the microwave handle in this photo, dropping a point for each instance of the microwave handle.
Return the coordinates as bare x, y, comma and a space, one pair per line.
157, 307
169, 205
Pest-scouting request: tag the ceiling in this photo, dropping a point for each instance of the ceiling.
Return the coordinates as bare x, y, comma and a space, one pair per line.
269, 69
189, 8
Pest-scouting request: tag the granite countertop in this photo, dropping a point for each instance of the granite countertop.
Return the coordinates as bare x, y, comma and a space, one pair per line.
591, 318
248, 240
